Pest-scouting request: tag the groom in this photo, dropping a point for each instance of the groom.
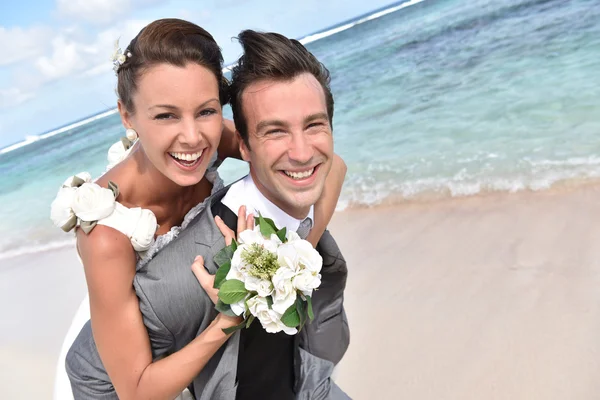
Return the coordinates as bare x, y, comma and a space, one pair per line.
283, 109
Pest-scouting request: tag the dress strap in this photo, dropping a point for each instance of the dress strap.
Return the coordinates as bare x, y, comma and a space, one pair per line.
138, 224
84, 204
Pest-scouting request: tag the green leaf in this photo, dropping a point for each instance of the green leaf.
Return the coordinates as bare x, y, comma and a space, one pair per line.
301, 309
267, 226
246, 304
311, 315
234, 246
232, 329
224, 255
270, 302
281, 234
290, 317
232, 291
224, 309
249, 320
222, 274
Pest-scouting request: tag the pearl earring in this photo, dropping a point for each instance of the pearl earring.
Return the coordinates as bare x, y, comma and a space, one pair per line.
131, 134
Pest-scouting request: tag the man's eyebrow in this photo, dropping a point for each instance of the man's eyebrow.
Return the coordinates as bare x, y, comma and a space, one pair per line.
272, 122
316, 116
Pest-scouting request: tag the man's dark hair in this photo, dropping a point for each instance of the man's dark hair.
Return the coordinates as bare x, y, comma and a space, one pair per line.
271, 56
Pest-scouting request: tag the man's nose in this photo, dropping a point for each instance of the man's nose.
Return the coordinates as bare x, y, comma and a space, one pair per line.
301, 149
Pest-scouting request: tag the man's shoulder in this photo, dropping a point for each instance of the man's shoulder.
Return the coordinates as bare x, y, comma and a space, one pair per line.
329, 249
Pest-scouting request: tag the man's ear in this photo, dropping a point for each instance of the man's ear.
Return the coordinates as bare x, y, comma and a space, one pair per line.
125, 115
244, 150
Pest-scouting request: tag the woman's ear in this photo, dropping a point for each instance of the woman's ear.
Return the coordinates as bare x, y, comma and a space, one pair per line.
125, 115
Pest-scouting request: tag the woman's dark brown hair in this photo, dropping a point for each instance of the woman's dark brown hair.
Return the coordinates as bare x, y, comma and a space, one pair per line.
171, 41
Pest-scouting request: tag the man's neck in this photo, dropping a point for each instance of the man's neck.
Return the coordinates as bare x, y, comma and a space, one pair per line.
295, 212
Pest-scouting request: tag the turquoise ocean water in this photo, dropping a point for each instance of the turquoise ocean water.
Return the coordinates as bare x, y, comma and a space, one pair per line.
433, 97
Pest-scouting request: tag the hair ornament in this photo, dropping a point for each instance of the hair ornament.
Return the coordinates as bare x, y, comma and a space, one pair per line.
118, 57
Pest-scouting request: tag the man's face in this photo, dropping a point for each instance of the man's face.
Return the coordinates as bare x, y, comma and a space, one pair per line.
290, 141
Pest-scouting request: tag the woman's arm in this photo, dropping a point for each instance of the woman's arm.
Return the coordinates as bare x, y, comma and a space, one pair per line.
228, 146
118, 328
325, 206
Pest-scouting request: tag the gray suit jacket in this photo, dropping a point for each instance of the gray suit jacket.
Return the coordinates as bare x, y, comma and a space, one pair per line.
176, 309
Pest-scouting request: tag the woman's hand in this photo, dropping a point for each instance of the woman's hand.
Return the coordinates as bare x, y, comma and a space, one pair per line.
207, 280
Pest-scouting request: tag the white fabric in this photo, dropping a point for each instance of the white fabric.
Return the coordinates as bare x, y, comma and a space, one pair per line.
245, 193
122, 221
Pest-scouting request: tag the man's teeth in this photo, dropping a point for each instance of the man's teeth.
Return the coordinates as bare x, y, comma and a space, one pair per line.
300, 175
186, 156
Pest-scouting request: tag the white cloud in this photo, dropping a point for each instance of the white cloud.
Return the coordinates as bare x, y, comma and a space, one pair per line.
99, 12
103, 45
94, 11
71, 54
13, 96
65, 58
19, 44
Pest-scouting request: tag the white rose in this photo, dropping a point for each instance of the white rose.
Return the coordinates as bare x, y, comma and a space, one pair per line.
85, 176
257, 304
285, 294
116, 154
238, 266
263, 287
287, 256
269, 319
239, 308
92, 202
142, 235
235, 273
272, 244
307, 256
61, 211
292, 236
251, 236
306, 281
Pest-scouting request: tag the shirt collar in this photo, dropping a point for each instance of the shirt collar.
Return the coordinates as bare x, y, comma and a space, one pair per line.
245, 192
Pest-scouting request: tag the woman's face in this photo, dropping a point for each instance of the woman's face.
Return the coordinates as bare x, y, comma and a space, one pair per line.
178, 118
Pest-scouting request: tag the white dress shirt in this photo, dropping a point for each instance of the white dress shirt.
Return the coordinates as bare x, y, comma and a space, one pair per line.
244, 192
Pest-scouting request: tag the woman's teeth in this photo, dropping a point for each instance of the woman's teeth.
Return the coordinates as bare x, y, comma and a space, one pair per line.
186, 156
300, 175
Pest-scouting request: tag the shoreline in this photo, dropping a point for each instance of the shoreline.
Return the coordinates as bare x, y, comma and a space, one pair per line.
434, 197
425, 199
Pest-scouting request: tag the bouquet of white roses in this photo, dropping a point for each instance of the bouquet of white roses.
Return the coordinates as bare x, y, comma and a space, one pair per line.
270, 275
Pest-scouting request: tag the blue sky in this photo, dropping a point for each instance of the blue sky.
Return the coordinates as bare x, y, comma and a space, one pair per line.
55, 66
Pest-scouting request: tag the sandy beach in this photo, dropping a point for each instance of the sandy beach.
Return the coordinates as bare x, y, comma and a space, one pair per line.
488, 297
